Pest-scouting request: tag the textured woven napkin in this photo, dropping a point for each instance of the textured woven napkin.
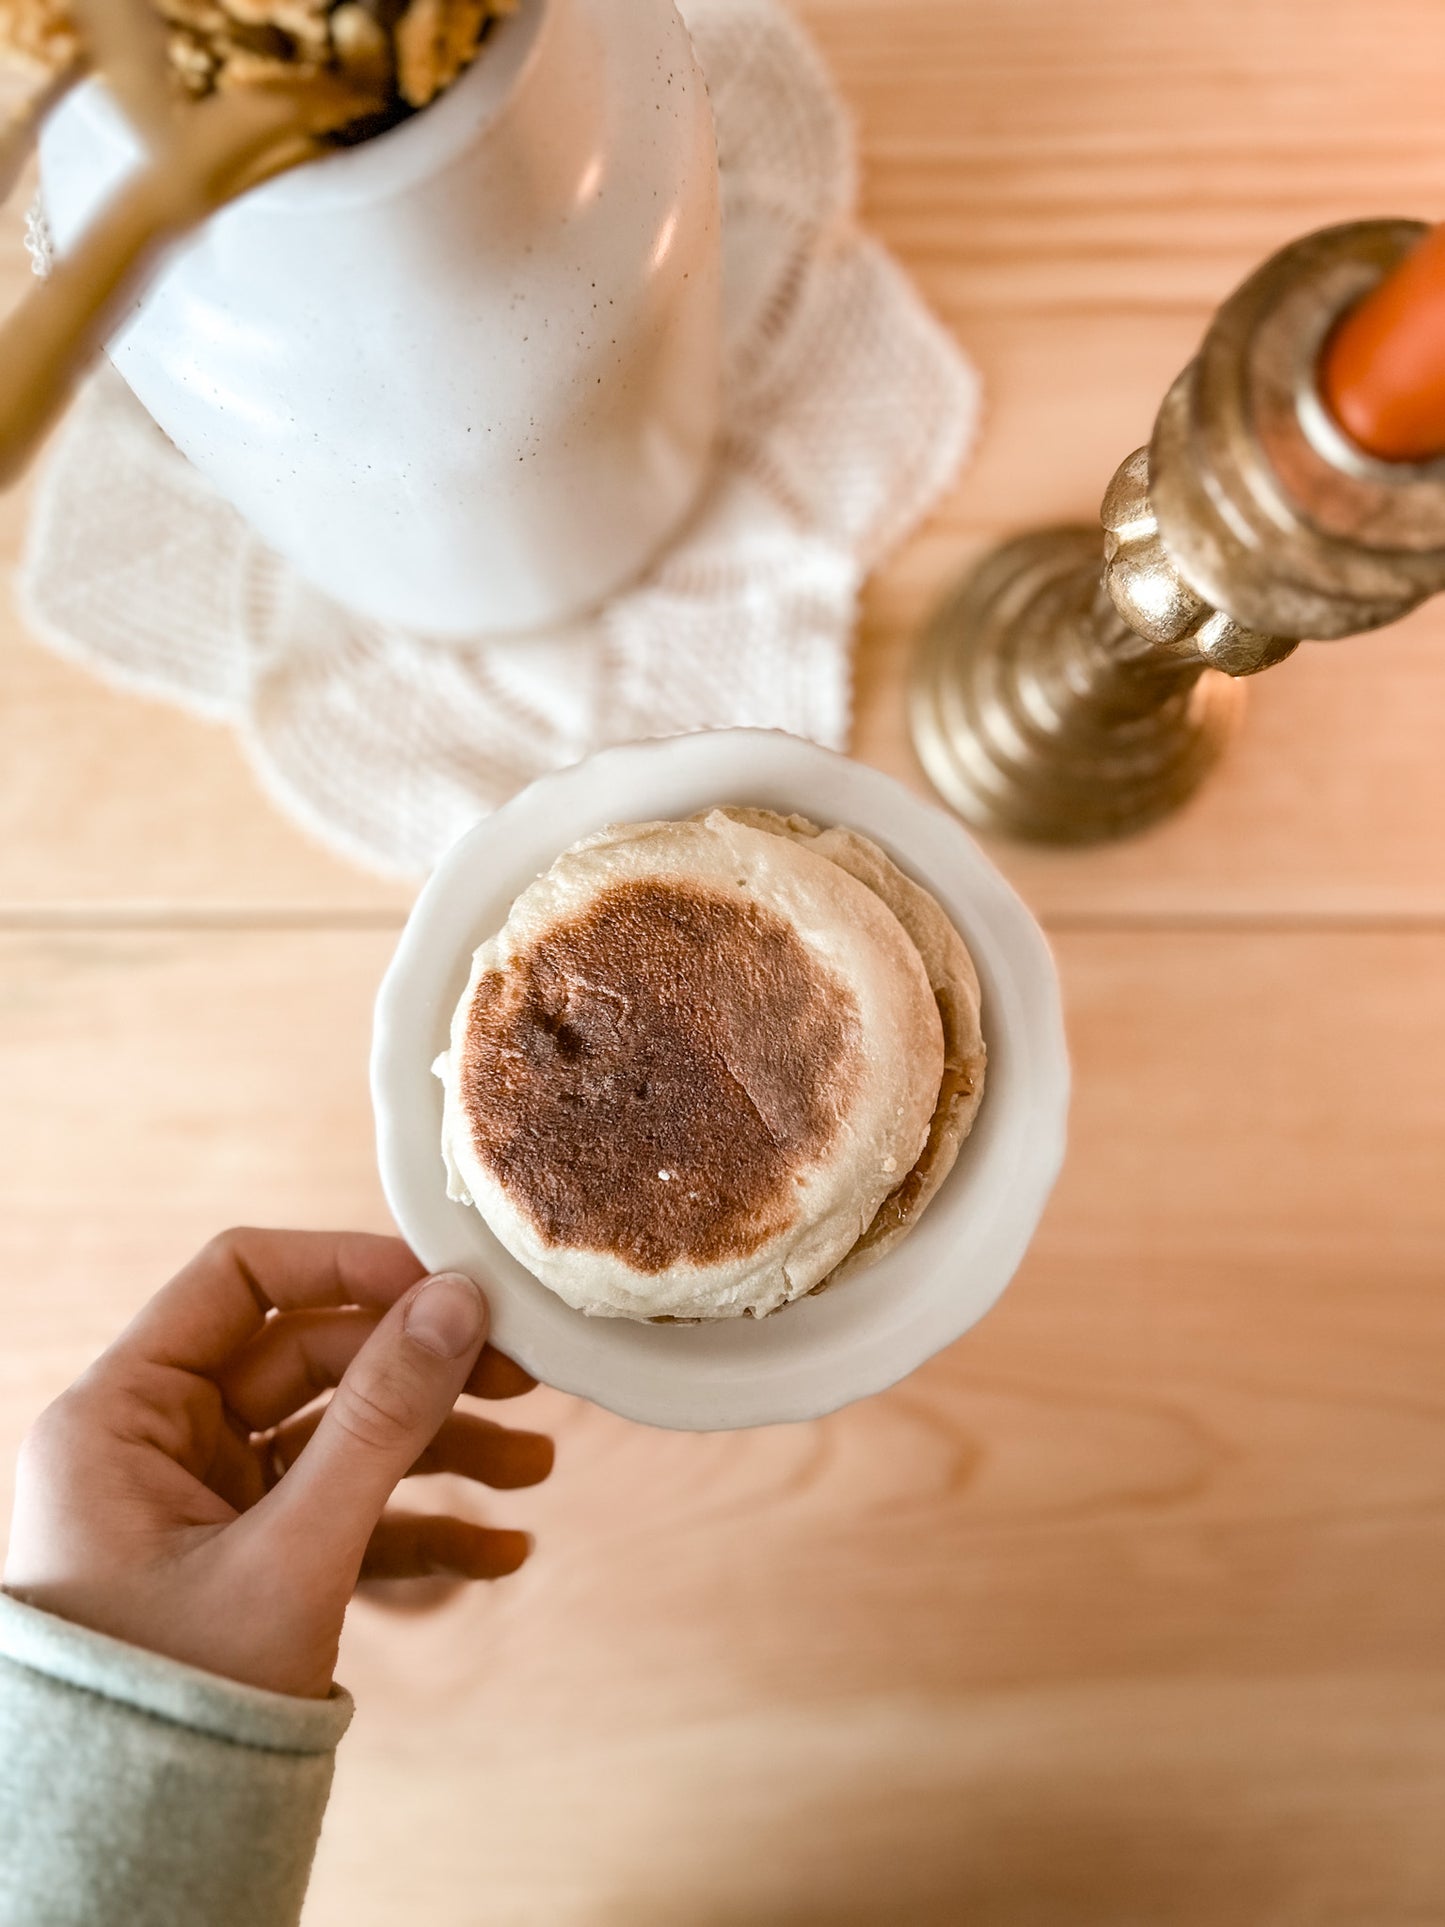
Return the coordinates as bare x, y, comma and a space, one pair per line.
847, 413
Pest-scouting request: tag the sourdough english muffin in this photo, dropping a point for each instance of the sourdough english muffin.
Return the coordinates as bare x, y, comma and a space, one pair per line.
707, 1067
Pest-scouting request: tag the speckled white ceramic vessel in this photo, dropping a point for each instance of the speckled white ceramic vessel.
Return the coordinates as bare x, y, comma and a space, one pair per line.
465, 377
874, 1327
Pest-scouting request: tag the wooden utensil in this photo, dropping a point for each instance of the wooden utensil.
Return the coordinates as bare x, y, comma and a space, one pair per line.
200, 156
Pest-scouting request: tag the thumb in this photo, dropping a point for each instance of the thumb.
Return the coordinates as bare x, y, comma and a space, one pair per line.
385, 1413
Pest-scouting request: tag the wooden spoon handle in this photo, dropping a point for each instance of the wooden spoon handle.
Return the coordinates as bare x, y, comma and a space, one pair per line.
125, 40
20, 122
48, 340
229, 145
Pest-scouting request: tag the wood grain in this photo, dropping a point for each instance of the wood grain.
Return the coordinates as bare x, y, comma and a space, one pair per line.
1141, 1580
1126, 1611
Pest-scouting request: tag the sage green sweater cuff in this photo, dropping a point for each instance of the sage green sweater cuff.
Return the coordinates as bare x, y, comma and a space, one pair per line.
136, 1790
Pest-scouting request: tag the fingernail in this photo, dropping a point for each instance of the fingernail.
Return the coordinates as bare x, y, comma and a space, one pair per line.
533, 1456
519, 1549
447, 1316
507, 1553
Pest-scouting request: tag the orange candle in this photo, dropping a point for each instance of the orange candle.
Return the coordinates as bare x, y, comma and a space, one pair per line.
1383, 372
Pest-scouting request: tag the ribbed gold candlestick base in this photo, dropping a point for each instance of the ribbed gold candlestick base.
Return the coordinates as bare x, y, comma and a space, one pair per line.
1039, 714
1078, 686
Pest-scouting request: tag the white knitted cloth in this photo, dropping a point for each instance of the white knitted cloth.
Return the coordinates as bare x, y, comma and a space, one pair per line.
848, 411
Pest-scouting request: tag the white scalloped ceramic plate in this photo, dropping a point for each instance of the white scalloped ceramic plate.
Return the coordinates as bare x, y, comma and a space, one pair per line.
876, 1327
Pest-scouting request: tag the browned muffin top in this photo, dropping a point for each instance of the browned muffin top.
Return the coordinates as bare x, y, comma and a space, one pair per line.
654, 1076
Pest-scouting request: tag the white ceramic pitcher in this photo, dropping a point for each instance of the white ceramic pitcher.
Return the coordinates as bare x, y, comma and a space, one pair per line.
464, 376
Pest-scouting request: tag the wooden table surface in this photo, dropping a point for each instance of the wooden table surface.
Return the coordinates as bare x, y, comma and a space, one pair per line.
1130, 1608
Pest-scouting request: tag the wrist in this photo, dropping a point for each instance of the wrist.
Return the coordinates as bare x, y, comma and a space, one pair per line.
152, 1683
223, 1645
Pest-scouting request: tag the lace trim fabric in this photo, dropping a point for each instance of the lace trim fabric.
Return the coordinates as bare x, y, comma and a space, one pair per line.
848, 412
38, 243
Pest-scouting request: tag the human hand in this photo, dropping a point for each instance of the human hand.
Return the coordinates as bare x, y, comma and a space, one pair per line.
181, 1498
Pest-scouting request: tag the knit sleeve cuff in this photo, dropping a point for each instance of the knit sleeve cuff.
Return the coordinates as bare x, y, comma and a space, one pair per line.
93, 1663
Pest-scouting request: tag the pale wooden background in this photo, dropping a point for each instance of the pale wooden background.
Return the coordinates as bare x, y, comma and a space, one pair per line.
1130, 1609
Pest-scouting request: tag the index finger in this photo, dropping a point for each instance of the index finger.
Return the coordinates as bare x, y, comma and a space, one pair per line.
224, 1296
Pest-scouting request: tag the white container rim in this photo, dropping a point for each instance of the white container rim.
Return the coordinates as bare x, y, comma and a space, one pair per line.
390, 163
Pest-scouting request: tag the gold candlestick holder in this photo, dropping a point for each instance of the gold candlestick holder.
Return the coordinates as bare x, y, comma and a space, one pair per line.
1065, 699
